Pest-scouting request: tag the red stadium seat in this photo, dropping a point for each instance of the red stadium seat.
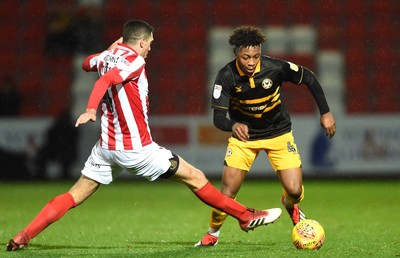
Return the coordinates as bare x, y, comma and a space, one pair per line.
355, 10
167, 10
35, 34
32, 59
384, 32
194, 11
32, 91
274, 12
298, 99
222, 11
115, 8
10, 12
9, 60
36, 11
381, 8
329, 11
356, 33
252, 13
301, 12
357, 58
112, 32
358, 82
9, 31
329, 37
145, 10
170, 134
358, 92
387, 102
168, 35
386, 81
384, 58
358, 103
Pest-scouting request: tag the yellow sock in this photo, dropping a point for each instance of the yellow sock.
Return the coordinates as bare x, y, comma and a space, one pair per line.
289, 201
217, 219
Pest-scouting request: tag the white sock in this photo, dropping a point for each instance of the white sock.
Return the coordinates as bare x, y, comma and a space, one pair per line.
213, 232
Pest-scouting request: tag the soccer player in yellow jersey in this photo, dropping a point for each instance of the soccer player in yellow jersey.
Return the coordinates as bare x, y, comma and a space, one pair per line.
247, 102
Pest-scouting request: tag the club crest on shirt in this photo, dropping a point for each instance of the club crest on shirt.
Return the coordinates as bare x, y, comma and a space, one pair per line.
267, 83
217, 91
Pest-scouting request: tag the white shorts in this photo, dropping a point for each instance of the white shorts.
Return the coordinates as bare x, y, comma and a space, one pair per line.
105, 165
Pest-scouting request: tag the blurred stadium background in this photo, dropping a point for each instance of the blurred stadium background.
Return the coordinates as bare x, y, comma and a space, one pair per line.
352, 46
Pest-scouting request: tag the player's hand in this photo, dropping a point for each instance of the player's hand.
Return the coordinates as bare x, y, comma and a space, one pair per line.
89, 115
115, 44
241, 131
328, 123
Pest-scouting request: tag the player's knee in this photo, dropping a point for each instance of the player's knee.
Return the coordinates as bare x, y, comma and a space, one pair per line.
295, 194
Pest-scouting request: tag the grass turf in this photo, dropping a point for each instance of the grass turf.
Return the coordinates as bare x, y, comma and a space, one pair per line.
162, 219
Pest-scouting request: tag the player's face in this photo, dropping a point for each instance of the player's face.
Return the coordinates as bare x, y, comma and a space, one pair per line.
248, 58
146, 46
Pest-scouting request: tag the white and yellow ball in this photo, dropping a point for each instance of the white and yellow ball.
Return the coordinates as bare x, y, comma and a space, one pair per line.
308, 234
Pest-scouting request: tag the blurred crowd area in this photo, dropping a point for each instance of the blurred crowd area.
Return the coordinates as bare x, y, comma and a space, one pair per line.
40, 38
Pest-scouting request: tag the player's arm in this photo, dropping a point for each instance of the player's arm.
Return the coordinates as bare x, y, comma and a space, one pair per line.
112, 77
222, 122
302, 75
313, 85
90, 63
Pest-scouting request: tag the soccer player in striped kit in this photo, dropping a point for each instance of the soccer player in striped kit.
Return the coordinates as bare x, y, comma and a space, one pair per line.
126, 142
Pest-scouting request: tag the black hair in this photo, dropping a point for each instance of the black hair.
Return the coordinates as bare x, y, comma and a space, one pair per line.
135, 30
246, 36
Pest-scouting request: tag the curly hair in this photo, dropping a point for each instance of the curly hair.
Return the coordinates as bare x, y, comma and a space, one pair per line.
246, 36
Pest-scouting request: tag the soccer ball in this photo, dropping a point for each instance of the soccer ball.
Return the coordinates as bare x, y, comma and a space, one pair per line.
308, 234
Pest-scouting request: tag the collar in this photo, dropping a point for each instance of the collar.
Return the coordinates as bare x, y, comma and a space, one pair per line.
122, 45
241, 73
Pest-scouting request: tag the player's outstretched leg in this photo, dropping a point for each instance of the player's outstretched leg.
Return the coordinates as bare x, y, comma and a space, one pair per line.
20, 240
52, 212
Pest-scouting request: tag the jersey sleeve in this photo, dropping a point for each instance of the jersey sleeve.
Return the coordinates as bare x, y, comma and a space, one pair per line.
221, 91
292, 72
301, 75
90, 63
101, 86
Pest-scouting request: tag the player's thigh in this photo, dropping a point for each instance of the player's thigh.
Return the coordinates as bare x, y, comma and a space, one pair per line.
240, 155
189, 175
100, 166
283, 153
150, 162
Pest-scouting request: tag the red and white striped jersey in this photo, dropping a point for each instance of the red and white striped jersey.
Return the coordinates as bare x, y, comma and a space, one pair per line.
124, 107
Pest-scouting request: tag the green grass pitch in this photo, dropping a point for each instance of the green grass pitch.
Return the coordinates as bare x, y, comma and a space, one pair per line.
161, 219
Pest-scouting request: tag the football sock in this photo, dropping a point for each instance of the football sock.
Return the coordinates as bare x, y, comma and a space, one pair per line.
289, 202
214, 198
52, 212
213, 232
217, 219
